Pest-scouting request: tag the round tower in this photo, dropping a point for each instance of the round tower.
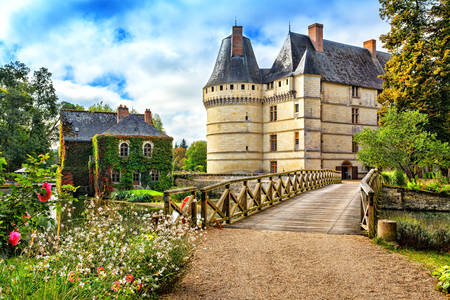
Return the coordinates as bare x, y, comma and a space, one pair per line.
232, 98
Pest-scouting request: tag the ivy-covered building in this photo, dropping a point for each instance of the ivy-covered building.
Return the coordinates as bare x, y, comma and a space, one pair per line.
101, 151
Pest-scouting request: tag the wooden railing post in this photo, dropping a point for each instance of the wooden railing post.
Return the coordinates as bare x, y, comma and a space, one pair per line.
203, 208
226, 205
258, 194
270, 190
166, 198
372, 216
194, 208
244, 199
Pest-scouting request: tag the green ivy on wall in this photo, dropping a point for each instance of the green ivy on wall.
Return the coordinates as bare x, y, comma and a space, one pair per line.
107, 158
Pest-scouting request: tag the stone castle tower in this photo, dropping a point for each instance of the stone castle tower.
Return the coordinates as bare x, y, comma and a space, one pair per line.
301, 113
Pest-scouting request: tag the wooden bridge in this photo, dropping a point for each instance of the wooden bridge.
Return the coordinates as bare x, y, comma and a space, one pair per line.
305, 200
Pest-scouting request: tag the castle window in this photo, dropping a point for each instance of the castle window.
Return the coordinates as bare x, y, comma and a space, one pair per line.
123, 149
212, 89
355, 91
231, 86
154, 175
246, 148
253, 87
287, 81
355, 115
297, 141
206, 91
296, 107
273, 142
221, 87
242, 86
273, 113
271, 85
246, 116
136, 178
354, 146
115, 176
279, 83
147, 149
273, 166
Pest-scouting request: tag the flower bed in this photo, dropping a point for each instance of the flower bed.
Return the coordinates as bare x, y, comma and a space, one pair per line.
113, 252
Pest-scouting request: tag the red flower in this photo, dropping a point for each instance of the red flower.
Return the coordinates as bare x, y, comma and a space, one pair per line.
48, 188
14, 238
71, 276
129, 277
115, 286
100, 270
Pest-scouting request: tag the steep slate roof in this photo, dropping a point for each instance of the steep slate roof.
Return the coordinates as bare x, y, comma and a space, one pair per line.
237, 68
133, 125
92, 123
338, 63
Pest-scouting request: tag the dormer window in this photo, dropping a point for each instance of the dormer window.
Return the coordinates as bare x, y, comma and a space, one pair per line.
148, 150
242, 86
355, 91
221, 87
253, 87
231, 86
212, 89
279, 83
124, 149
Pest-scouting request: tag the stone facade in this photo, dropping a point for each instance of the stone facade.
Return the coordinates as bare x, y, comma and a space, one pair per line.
398, 198
313, 127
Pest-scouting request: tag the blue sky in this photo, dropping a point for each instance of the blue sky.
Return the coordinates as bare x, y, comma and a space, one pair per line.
159, 54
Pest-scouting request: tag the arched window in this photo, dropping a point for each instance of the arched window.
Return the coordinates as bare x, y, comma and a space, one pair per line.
123, 148
148, 150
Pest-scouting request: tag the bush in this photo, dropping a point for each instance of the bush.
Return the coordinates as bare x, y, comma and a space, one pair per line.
398, 178
137, 196
386, 178
443, 276
413, 234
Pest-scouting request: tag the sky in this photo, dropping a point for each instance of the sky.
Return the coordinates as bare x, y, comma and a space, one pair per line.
159, 54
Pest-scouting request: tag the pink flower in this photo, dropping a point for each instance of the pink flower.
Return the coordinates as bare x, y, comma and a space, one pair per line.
115, 286
71, 276
14, 238
129, 277
26, 217
48, 188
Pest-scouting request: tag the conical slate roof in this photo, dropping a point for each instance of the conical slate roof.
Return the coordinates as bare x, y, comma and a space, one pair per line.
235, 68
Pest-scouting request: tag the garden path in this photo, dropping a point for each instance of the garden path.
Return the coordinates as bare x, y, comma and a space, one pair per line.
257, 264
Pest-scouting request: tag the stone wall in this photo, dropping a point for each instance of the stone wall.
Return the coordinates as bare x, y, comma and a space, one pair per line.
405, 199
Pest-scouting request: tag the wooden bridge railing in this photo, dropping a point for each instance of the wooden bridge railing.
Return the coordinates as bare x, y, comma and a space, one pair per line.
229, 201
370, 188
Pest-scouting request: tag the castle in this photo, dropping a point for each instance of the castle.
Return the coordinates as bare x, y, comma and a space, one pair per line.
300, 114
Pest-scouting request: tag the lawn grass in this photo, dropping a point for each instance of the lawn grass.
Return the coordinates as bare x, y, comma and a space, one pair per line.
430, 259
146, 192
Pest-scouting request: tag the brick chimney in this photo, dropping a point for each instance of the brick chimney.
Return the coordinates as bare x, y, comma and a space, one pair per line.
236, 41
148, 117
315, 32
122, 112
371, 45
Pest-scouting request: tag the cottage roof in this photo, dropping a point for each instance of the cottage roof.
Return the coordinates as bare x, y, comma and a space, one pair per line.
81, 126
338, 63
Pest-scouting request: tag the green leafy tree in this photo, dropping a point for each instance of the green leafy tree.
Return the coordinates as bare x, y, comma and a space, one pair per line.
196, 156
157, 122
417, 75
28, 113
183, 144
179, 157
68, 105
401, 143
100, 107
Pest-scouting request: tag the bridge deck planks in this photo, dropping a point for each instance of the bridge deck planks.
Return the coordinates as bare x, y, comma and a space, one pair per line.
334, 209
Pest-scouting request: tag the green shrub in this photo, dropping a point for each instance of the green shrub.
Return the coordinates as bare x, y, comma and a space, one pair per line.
414, 234
119, 195
413, 185
398, 178
443, 276
386, 178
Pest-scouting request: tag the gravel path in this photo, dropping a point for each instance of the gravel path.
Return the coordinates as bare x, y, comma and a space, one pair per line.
250, 264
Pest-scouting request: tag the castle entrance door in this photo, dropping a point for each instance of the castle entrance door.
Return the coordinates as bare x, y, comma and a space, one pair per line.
348, 171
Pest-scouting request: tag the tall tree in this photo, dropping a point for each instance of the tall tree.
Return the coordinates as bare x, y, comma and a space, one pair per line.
28, 113
401, 143
417, 75
183, 144
157, 122
179, 157
100, 107
196, 157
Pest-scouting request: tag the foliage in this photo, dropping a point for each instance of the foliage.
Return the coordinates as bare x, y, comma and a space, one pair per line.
28, 113
196, 156
100, 107
179, 158
414, 234
108, 246
417, 75
137, 196
68, 105
401, 143
157, 122
107, 158
74, 158
21, 210
183, 144
443, 276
